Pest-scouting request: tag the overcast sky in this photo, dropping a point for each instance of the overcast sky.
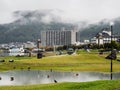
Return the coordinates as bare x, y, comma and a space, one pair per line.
76, 10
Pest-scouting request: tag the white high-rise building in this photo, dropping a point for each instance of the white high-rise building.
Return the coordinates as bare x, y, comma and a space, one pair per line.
58, 37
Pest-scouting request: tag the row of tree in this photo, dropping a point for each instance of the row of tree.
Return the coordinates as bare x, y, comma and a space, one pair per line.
106, 46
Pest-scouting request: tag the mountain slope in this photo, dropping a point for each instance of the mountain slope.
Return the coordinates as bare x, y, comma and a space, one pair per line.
28, 25
93, 29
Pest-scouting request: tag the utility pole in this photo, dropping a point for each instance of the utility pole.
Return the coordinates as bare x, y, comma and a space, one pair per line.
111, 64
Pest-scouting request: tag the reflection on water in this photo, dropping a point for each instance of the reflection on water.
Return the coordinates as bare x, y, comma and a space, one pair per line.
25, 77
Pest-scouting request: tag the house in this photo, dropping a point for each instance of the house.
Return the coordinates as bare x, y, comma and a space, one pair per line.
29, 44
104, 37
16, 51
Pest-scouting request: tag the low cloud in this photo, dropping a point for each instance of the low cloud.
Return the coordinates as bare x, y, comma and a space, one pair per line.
45, 16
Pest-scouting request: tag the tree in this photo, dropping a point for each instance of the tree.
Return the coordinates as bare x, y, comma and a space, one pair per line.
114, 44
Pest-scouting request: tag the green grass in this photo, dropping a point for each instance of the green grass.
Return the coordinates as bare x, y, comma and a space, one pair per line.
80, 62
95, 85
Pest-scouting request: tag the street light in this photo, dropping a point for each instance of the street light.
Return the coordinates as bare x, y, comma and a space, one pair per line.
39, 54
99, 36
111, 28
38, 43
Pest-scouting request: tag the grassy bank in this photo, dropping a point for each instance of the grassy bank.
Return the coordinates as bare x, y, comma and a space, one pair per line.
81, 62
96, 85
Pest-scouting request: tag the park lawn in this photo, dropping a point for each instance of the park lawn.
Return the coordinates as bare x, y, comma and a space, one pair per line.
94, 85
81, 62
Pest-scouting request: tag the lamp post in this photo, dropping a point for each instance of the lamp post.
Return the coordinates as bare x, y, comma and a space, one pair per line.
99, 36
38, 43
111, 64
39, 54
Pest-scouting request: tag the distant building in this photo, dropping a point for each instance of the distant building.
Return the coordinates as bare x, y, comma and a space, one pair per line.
16, 51
29, 44
104, 37
86, 41
58, 37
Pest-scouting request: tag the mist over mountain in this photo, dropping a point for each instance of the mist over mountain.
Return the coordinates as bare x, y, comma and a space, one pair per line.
92, 29
28, 24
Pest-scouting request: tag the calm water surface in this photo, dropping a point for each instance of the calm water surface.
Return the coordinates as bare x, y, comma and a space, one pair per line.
25, 77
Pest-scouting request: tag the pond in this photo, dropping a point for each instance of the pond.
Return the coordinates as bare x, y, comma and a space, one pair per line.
28, 77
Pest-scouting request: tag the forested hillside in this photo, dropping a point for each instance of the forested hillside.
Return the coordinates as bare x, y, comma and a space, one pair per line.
30, 23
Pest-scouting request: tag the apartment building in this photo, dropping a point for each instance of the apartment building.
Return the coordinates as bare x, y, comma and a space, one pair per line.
58, 37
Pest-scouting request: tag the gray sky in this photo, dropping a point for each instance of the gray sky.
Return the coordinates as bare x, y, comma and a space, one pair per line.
69, 10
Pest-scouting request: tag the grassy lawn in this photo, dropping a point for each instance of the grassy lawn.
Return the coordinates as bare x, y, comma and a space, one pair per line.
96, 85
81, 62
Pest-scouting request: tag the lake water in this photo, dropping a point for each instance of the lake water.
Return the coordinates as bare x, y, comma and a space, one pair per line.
25, 77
